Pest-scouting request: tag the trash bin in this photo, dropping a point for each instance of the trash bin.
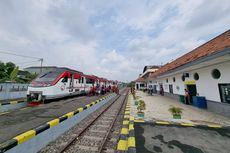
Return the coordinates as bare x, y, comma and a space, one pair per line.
199, 101
181, 98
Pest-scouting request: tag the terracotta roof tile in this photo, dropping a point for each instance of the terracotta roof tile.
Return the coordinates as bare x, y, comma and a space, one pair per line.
213, 46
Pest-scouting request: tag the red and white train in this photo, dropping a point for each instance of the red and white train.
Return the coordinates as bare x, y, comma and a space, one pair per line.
63, 82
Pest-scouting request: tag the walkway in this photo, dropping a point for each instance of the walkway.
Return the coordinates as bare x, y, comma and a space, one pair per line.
157, 109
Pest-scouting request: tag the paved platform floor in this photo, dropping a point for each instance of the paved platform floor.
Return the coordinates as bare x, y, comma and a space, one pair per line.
21, 120
172, 139
157, 109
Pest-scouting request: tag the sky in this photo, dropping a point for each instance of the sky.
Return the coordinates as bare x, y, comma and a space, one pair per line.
113, 39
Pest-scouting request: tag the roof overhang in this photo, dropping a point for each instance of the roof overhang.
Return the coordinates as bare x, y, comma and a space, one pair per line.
148, 71
219, 57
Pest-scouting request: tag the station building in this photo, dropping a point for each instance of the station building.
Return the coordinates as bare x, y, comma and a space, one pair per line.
205, 71
141, 82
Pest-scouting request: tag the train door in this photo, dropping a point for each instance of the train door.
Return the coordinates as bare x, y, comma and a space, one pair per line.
71, 83
64, 87
83, 81
98, 87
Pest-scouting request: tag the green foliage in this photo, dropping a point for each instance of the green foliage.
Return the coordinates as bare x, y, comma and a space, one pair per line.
9, 67
9, 72
131, 84
31, 76
13, 74
138, 97
141, 106
175, 110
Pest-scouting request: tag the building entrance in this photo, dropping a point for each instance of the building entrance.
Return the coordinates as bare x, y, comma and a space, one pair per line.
137, 86
192, 91
224, 92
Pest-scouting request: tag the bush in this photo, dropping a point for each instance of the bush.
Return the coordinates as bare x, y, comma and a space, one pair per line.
175, 111
141, 106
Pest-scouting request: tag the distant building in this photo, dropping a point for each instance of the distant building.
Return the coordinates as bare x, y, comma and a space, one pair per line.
22, 74
141, 82
37, 69
205, 71
148, 70
150, 67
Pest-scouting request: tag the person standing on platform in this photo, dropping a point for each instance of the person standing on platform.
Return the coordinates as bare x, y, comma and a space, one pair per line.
162, 91
186, 96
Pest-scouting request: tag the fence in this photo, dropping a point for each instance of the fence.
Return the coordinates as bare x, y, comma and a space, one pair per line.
12, 91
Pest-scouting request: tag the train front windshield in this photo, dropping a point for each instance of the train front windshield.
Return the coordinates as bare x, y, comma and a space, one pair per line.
46, 78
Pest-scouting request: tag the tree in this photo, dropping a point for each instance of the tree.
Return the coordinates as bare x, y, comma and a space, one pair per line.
9, 72
31, 76
14, 74
9, 67
3, 73
2, 70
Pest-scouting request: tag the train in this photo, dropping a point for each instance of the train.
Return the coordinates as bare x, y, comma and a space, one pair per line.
63, 82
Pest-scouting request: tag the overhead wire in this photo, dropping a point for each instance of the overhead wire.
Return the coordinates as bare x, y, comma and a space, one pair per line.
27, 62
10, 53
19, 55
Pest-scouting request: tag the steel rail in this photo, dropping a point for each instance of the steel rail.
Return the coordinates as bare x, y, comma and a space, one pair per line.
112, 124
70, 143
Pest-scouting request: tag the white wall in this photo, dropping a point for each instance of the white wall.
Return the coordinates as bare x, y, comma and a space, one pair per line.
206, 85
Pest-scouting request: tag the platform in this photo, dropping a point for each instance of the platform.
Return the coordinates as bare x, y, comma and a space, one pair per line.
157, 109
21, 120
152, 138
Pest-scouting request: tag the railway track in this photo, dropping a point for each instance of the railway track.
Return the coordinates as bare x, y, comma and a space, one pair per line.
102, 133
27, 118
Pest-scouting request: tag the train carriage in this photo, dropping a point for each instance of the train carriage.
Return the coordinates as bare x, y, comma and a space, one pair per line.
63, 82
56, 84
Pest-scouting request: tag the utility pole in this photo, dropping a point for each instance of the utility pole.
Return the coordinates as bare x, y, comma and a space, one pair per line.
41, 60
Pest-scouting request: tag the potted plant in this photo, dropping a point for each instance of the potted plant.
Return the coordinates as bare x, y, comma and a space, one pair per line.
176, 112
135, 98
140, 108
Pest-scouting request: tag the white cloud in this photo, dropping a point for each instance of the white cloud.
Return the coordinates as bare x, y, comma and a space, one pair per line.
113, 39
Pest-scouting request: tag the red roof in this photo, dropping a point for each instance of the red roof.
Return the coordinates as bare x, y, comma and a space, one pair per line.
213, 46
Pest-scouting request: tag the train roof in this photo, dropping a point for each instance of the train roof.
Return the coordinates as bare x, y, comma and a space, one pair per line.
90, 77
68, 69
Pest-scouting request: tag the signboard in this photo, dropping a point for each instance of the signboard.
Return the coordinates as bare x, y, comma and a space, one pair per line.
190, 82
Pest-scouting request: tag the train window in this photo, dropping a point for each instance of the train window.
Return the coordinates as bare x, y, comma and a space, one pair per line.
65, 79
48, 77
89, 81
82, 80
79, 80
